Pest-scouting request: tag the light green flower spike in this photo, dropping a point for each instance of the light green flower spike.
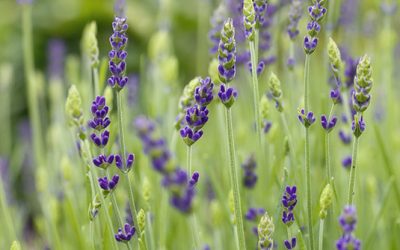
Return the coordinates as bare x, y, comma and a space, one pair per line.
249, 19
276, 91
334, 57
265, 230
325, 201
73, 107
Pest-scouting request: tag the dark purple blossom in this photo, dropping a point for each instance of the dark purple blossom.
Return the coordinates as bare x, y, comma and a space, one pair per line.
129, 161
103, 161
117, 55
108, 185
347, 242
358, 126
306, 119
203, 94
126, 234
267, 126
328, 125
310, 44
254, 214
316, 13
289, 201
227, 95
335, 96
290, 244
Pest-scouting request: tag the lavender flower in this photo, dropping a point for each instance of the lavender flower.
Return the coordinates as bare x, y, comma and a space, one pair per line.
290, 244
117, 55
108, 185
126, 234
358, 126
249, 19
203, 94
249, 175
276, 91
295, 14
260, 6
328, 125
56, 58
316, 13
129, 162
99, 110
227, 53
103, 161
348, 222
254, 214
306, 119
362, 85
335, 96
227, 95
265, 230
289, 201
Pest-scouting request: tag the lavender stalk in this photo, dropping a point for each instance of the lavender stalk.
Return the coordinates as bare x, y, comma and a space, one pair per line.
228, 95
361, 99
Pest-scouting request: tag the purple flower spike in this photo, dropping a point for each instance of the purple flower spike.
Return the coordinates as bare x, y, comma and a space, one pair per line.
101, 140
227, 95
348, 220
117, 55
126, 234
196, 117
227, 53
289, 201
254, 214
290, 244
306, 119
295, 13
328, 125
204, 93
316, 12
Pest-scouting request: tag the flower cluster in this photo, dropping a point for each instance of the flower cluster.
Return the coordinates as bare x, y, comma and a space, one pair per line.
316, 13
266, 228
176, 180
327, 124
117, 55
249, 175
126, 234
249, 19
260, 6
186, 100
289, 201
348, 222
358, 126
325, 201
306, 119
227, 64
276, 91
227, 53
108, 185
295, 13
362, 85
197, 115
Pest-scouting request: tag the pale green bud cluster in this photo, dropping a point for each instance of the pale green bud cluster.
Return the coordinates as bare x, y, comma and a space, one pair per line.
90, 43
334, 57
249, 21
265, 230
362, 85
213, 71
187, 99
325, 201
73, 107
276, 91
141, 220
232, 207
264, 107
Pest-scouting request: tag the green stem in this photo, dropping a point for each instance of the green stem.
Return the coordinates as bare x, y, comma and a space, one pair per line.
308, 189
123, 156
189, 160
31, 84
7, 214
256, 95
96, 82
93, 175
352, 171
307, 152
150, 234
234, 180
291, 150
321, 234
327, 149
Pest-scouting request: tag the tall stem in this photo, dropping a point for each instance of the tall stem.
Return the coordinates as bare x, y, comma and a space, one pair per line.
31, 86
307, 152
192, 221
321, 234
234, 180
96, 82
352, 171
123, 156
189, 160
287, 131
256, 95
327, 149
